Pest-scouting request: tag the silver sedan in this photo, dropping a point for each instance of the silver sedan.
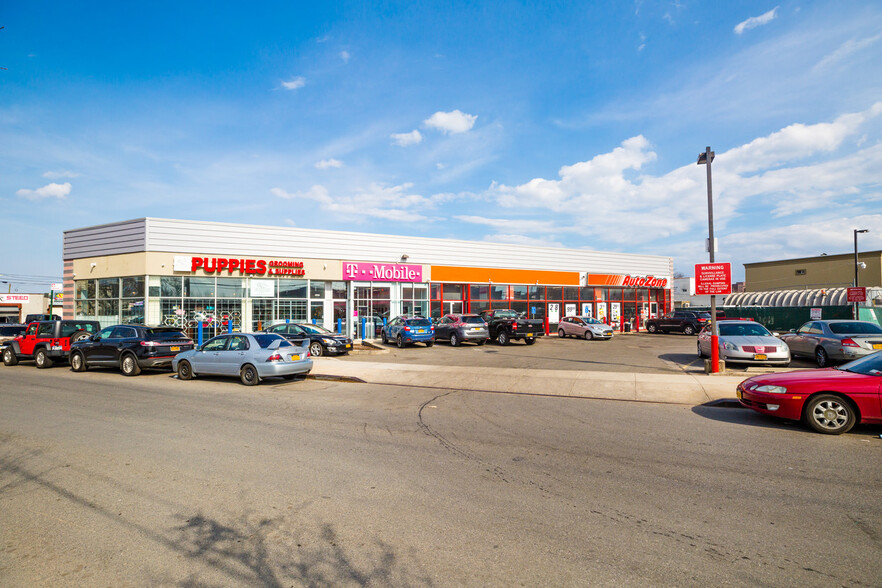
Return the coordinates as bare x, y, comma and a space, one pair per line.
834, 340
250, 357
745, 342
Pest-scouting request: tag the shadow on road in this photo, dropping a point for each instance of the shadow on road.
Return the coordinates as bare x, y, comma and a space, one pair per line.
751, 418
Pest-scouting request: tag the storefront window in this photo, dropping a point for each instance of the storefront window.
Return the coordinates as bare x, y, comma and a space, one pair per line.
519, 292
478, 305
587, 293
452, 291
230, 288
615, 294
199, 287
108, 312
85, 308
108, 288
133, 287
571, 293
316, 289
436, 291
132, 311
339, 291
171, 287
520, 306
498, 292
480, 292
85, 289
292, 288
554, 293
537, 292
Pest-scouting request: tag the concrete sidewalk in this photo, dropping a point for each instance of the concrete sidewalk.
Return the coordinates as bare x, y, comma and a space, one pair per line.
669, 388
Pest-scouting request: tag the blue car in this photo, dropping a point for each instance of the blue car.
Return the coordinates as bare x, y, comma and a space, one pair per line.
409, 329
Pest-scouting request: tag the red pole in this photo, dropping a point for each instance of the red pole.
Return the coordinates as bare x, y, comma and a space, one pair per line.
637, 324
715, 353
546, 326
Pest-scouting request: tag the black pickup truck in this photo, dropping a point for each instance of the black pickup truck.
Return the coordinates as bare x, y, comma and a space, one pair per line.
505, 325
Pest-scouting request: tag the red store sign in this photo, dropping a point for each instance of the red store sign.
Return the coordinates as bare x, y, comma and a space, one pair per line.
857, 294
241, 266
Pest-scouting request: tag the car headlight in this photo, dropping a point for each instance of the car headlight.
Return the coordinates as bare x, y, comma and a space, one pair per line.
328, 341
771, 389
730, 346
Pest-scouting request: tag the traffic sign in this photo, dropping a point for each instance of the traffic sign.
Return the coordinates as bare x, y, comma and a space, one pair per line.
857, 294
56, 287
713, 278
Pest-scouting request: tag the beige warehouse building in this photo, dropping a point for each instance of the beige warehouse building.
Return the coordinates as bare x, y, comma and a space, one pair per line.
822, 271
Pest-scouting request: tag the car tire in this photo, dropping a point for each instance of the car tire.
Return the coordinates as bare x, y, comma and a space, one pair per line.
454, 340
651, 328
588, 335
248, 375
78, 335
689, 330
829, 414
481, 342
42, 359
9, 357
821, 357
529, 341
77, 362
429, 343
400, 342
316, 349
383, 338
185, 370
561, 333
503, 338
129, 366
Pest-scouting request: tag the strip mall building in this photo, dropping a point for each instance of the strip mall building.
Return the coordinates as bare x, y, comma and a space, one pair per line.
177, 272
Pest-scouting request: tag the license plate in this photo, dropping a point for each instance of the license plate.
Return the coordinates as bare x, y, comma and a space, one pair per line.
760, 356
529, 336
175, 348
295, 357
348, 345
421, 331
877, 345
55, 347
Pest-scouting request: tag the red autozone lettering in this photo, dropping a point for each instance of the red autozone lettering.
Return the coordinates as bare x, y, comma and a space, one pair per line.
645, 282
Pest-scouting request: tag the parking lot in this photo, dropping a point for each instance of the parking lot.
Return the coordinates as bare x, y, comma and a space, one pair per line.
632, 352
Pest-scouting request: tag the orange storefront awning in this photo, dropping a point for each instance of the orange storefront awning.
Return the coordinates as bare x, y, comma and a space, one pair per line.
478, 275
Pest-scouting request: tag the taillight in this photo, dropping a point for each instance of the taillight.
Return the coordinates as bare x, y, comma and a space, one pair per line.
407, 329
149, 343
275, 357
849, 343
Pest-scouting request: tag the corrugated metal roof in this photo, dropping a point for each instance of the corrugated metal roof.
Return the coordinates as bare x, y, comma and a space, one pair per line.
814, 297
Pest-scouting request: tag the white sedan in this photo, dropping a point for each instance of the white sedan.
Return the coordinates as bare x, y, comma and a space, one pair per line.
745, 342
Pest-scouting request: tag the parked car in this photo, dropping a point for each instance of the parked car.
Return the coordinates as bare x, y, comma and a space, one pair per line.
130, 348
8, 332
459, 328
408, 329
583, 326
830, 400
745, 342
32, 318
47, 341
321, 340
506, 325
834, 340
687, 322
249, 356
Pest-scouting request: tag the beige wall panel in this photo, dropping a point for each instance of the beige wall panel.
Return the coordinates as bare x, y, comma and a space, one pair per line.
820, 272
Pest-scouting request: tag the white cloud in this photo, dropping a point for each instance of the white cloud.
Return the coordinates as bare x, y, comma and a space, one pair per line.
344, 55
52, 190
405, 139
56, 175
395, 203
756, 21
845, 50
294, 83
328, 163
452, 123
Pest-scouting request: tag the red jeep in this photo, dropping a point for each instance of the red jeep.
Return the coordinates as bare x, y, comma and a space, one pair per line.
47, 341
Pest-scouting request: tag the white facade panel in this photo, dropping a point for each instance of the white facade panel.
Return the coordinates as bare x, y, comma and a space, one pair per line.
110, 239
211, 238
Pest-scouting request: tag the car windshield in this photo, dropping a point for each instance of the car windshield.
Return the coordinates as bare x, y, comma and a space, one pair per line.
591, 321
69, 328
745, 329
855, 328
473, 320
314, 329
418, 322
870, 365
266, 339
505, 314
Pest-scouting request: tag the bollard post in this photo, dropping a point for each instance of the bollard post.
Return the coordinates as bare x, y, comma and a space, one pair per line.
287, 320
339, 325
363, 321
546, 327
313, 320
229, 325
199, 333
637, 324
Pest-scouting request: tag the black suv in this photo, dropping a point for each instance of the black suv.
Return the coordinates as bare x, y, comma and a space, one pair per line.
131, 348
688, 322
321, 340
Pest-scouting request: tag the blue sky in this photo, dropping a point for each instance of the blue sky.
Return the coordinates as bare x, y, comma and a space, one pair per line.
574, 125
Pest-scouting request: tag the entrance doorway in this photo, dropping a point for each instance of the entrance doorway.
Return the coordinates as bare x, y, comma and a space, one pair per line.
452, 307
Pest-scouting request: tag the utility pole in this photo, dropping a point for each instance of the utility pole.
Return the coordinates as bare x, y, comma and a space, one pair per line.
705, 159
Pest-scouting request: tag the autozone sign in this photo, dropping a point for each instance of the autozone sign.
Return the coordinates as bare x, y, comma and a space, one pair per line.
239, 266
626, 280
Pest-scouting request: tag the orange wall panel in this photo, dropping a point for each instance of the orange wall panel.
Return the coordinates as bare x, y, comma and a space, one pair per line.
478, 275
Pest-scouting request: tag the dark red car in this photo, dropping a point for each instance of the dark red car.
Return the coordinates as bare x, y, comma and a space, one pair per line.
829, 400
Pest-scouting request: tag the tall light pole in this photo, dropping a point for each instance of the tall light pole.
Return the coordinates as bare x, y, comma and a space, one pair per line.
705, 159
856, 231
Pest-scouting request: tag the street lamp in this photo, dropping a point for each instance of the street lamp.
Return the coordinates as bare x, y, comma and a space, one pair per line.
856, 231
705, 159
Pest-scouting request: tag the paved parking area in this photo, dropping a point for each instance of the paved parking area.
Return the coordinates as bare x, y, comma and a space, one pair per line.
637, 352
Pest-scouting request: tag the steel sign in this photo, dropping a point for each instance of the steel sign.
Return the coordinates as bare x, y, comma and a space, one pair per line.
857, 294
713, 278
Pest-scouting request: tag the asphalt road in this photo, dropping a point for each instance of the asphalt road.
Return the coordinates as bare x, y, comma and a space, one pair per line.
106, 480
641, 352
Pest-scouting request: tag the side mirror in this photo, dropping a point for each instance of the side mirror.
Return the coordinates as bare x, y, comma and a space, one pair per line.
792, 330
776, 334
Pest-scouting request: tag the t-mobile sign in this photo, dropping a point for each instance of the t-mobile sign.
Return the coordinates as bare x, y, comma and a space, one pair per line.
382, 272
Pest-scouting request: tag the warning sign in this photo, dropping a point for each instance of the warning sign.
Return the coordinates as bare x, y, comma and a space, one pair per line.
713, 278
